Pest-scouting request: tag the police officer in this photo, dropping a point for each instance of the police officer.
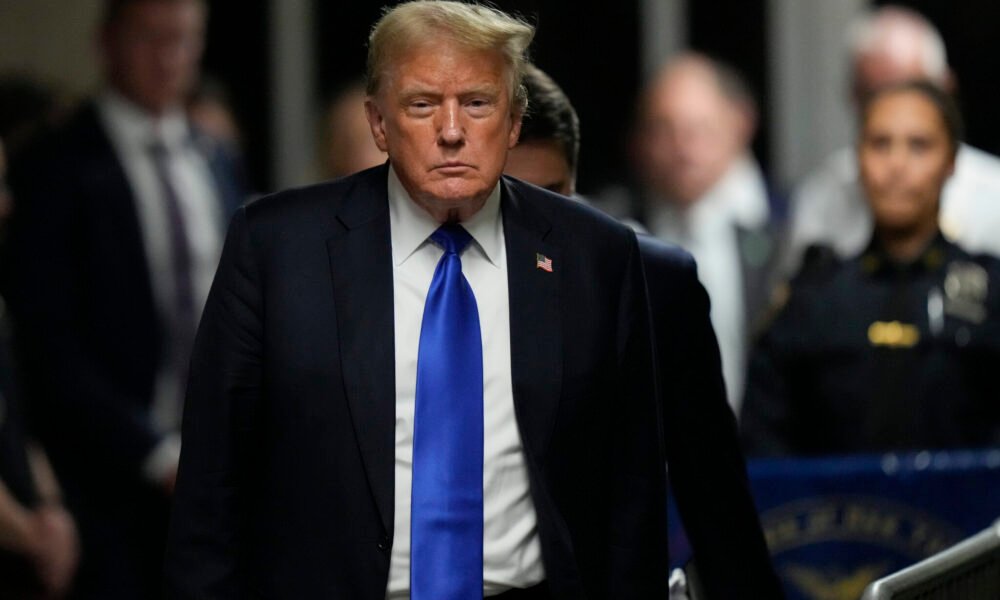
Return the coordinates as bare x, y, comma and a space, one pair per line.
898, 348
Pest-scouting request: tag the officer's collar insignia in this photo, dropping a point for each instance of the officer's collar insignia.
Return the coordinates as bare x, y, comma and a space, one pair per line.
875, 258
933, 258
966, 285
870, 262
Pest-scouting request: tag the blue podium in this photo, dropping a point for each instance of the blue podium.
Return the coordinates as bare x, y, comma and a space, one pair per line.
835, 524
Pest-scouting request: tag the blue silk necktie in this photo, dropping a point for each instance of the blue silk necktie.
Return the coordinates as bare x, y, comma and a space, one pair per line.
446, 515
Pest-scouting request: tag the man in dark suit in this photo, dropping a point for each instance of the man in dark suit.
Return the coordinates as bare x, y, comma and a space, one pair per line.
116, 235
701, 188
304, 425
699, 427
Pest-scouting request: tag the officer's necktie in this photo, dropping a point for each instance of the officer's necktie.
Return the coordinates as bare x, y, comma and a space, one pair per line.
446, 528
184, 315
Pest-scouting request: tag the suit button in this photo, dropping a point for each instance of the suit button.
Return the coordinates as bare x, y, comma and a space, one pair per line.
383, 544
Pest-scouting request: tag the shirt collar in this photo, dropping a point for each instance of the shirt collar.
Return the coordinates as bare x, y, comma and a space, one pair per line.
411, 226
139, 128
738, 198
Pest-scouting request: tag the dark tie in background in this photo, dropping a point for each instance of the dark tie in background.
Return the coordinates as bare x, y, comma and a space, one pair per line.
446, 529
184, 318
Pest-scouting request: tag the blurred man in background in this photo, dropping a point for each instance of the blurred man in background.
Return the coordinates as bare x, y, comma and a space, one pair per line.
704, 191
889, 46
113, 247
346, 144
549, 145
210, 111
707, 471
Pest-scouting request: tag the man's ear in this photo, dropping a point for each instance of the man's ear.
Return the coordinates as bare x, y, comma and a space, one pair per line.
746, 122
515, 130
377, 123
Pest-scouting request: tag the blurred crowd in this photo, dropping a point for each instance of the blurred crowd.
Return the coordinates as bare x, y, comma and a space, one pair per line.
857, 312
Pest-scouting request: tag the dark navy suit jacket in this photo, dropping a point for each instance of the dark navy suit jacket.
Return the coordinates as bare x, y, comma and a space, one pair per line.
707, 471
286, 480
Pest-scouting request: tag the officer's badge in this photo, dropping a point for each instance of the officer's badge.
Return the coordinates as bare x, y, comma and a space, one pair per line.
893, 334
966, 285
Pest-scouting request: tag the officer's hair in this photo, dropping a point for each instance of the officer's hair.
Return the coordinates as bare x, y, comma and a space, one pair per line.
473, 26
942, 101
550, 116
113, 9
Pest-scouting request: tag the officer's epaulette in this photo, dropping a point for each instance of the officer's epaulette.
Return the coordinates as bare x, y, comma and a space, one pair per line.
818, 263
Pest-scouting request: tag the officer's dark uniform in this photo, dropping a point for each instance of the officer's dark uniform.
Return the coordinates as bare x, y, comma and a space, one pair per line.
869, 355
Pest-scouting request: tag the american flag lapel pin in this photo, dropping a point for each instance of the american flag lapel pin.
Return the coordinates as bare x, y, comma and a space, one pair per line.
543, 262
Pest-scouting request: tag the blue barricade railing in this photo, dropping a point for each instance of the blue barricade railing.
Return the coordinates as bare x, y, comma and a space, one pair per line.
835, 524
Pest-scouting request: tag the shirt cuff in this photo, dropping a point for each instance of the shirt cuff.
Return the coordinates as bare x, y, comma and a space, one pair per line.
163, 459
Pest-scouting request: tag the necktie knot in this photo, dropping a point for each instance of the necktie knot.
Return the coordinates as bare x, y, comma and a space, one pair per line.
452, 237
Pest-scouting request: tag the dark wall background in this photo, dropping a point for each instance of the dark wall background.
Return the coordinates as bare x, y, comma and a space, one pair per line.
236, 54
735, 32
594, 55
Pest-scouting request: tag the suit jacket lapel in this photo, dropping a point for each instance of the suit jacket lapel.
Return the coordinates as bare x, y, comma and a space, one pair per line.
361, 266
535, 324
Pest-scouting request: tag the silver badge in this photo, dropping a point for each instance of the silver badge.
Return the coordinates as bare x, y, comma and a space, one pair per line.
966, 286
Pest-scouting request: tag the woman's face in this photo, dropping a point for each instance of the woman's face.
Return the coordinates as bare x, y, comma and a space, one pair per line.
905, 156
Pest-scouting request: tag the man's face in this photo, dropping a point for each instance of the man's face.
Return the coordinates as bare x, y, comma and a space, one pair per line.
151, 51
689, 135
443, 114
542, 163
905, 157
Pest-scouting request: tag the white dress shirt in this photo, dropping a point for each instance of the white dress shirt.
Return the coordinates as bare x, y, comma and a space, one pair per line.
707, 229
829, 207
132, 132
511, 550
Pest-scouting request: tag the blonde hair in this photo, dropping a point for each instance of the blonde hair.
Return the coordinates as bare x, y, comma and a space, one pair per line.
471, 25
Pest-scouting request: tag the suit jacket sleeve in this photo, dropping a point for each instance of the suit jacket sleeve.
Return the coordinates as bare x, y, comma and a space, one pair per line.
638, 557
203, 547
706, 466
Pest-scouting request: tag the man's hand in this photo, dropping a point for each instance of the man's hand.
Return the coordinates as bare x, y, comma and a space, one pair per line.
169, 481
55, 548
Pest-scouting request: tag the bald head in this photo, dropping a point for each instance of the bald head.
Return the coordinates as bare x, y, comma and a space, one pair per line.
893, 45
695, 119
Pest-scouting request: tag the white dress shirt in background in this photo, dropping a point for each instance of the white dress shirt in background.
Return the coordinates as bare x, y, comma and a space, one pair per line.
708, 230
132, 132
